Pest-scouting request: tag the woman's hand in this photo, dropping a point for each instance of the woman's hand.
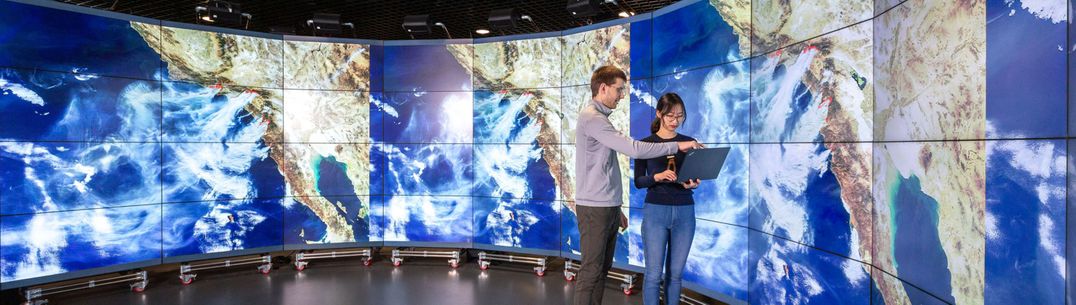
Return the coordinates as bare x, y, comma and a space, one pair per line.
666, 176
690, 184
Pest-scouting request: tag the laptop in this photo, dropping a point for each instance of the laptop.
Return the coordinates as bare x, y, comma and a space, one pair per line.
702, 164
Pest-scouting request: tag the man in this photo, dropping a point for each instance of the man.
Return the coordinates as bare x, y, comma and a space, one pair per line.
598, 180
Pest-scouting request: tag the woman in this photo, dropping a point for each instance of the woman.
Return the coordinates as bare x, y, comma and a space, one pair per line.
669, 212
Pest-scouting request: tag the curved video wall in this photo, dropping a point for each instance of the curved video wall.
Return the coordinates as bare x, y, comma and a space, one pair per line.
882, 152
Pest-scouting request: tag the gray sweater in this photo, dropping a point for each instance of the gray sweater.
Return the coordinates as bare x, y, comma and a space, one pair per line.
597, 176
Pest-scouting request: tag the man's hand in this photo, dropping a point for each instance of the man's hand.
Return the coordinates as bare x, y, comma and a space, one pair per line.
666, 176
689, 145
690, 184
623, 221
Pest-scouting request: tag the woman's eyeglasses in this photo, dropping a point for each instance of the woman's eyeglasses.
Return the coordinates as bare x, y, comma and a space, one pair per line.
670, 116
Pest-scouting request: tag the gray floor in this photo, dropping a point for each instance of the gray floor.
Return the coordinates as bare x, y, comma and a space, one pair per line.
348, 282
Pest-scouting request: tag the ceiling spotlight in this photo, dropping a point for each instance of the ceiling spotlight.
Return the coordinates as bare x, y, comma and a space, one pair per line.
505, 19
587, 8
325, 24
584, 8
222, 13
416, 24
623, 14
482, 31
421, 24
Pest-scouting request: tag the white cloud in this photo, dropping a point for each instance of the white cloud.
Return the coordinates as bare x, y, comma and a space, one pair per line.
21, 92
992, 232
1051, 10
853, 270
1049, 243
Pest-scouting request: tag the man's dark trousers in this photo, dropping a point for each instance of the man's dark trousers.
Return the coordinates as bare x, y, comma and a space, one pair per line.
598, 232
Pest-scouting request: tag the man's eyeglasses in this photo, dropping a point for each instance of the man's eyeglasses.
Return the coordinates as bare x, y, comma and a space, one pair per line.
619, 90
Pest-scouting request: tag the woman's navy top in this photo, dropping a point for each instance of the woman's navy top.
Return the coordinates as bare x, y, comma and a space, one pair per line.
666, 193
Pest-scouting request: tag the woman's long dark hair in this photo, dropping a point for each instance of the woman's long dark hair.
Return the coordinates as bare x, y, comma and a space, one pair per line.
665, 104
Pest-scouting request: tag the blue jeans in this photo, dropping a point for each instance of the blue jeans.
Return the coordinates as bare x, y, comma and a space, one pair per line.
667, 234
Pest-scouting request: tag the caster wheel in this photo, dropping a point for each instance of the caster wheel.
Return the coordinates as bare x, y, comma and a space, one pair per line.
627, 291
541, 273
138, 288
454, 265
186, 281
367, 263
265, 271
396, 264
298, 268
483, 266
569, 278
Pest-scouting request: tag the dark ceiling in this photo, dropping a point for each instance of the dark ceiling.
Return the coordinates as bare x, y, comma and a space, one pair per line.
382, 20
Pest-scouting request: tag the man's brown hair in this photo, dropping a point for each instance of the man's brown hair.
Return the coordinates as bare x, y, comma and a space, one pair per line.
605, 75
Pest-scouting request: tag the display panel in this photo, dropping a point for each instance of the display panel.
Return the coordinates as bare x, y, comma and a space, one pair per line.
218, 171
48, 106
701, 34
881, 6
1025, 98
40, 38
785, 272
929, 224
818, 90
215, 113
427, 219
1071, 51
380, 112
221, 226
327, 66
517, 116
818, 195
313, 169
428, 169
514, 171
377, 67
427, 68
1070, 212
930, 71
331, 117
326, 220
42, 244
912, 295
1025, 221
642, 49
48, 177
517, 223
428, 117
717, 263
776, 24
217, 58
518, 64
634, 235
